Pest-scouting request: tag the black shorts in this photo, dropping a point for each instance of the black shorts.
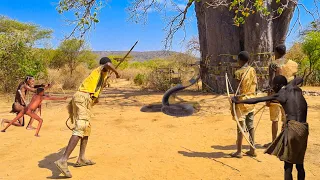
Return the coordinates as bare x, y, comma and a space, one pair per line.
14, 110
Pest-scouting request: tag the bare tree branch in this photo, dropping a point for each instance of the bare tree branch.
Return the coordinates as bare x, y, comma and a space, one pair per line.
177, 22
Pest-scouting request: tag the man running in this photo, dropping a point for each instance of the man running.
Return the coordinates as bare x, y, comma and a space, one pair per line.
80, 113
290, 146
20, 101
246, 75
287, 68
32, 106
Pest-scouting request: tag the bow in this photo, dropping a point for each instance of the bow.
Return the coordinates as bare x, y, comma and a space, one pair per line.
234, 107
234, 111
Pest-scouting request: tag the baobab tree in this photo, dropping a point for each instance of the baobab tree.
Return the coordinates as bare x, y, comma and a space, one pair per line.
225, 28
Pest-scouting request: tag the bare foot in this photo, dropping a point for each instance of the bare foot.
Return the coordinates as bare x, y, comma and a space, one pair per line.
30, 128
37, 135
3, 131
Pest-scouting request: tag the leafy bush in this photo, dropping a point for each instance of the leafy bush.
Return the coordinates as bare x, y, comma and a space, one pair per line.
159, 81
140, 79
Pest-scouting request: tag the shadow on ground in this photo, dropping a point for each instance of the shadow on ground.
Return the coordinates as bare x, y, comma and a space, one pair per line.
234, 147
209, 155
214, 155
48, 163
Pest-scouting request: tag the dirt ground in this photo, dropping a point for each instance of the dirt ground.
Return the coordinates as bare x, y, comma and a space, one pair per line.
129, 144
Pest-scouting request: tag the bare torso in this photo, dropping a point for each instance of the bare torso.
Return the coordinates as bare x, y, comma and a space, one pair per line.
293, 103
35, 102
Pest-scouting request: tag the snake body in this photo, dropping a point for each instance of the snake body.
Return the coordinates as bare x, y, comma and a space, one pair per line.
178, 110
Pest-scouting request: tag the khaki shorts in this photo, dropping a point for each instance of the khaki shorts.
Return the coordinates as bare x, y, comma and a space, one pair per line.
81, 105
275, 110
82, 128
246, 122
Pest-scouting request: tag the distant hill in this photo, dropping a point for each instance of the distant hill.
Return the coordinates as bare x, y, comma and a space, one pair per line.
138, 56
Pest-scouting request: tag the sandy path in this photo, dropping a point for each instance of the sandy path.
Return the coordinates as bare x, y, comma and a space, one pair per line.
129, 144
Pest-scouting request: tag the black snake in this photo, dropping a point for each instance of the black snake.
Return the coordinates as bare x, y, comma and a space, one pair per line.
178, 110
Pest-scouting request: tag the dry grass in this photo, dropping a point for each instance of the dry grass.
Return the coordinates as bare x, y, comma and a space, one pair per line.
64, 80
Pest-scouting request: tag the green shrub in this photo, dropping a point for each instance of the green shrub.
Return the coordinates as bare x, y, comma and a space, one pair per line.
139, 79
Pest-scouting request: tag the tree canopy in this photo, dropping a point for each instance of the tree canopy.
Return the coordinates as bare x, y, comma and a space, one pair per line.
71, 53
311, 48
18, 57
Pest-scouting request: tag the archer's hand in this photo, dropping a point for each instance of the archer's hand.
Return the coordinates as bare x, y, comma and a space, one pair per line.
235, 100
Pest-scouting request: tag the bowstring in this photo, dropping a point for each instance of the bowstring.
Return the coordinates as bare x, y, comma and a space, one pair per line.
235, 94
264, 108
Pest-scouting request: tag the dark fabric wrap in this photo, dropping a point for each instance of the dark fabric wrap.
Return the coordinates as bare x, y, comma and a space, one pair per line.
291, 144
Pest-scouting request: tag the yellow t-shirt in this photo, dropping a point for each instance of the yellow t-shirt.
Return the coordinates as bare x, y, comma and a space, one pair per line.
247, 88
94, 82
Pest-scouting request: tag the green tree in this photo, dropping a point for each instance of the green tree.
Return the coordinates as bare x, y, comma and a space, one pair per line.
71, 53
311, 47
18, 57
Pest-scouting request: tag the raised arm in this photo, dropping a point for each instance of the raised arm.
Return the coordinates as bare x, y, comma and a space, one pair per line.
256, 100
43, 86
53, 98
29, 88
109, 66
38, 86
296, 81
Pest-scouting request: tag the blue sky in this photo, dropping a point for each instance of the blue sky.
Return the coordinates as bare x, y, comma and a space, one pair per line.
114, 31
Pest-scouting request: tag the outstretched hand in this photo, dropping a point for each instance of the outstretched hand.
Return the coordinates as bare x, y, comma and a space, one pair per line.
66, 97
235, 100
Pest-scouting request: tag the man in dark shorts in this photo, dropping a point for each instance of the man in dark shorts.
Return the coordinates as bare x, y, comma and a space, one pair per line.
287, 68
290, 146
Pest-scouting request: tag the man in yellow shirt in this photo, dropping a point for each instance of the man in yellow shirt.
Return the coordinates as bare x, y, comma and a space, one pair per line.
245, 112
80, 113
288, 69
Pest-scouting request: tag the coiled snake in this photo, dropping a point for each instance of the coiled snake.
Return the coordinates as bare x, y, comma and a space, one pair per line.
178, 110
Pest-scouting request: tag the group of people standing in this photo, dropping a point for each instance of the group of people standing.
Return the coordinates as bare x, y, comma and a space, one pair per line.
285, 98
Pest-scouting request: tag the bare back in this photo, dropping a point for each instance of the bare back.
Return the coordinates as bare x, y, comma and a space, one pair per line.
293, 103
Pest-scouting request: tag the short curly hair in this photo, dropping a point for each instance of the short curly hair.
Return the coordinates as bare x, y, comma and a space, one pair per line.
281, 49
104, 60
244, 56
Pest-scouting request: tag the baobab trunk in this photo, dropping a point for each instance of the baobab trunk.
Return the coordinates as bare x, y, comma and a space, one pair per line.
220, 42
